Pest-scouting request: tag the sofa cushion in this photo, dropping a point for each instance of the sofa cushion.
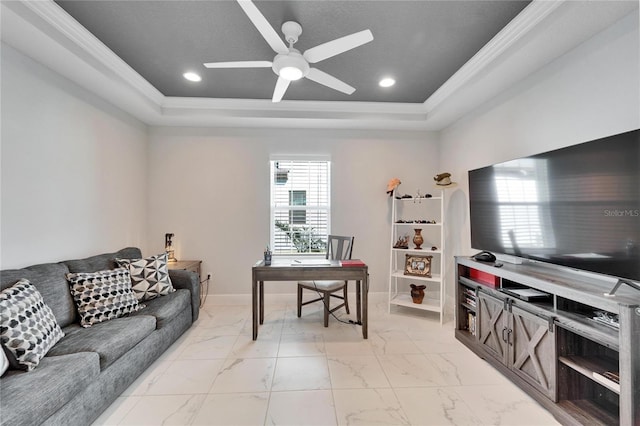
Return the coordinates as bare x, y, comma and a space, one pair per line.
101, 296
28, 328
50, 281
110, 339
166, 308
101, 262
188, 280
29, 398
149, 276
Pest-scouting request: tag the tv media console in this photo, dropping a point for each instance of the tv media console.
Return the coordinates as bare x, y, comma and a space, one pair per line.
554, 333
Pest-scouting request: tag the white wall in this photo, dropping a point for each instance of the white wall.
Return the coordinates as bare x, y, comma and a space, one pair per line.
73, 169
591, 92
211, 188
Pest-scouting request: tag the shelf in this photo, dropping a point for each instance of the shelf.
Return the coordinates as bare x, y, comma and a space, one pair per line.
467, 282
587, 328
588, 413
435, 278
416, 251
592, 368
418, 199
468, 307
431, 305
466, 337
418, 209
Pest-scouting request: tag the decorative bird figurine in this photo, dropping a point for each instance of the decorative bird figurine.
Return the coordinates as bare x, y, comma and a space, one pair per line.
392, 185
443, 179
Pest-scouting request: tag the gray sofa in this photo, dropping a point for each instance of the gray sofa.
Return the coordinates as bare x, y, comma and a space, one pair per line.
90, 367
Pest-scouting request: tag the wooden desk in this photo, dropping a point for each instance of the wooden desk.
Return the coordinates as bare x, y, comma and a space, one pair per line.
282, 270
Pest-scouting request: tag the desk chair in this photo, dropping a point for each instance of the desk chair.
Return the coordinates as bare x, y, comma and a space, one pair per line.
338, 248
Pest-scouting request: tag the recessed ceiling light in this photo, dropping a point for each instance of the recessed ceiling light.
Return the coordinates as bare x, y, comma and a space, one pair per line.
192, 76
387, 82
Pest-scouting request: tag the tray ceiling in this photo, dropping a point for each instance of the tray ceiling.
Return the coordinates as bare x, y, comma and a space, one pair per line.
448, 57
419, 43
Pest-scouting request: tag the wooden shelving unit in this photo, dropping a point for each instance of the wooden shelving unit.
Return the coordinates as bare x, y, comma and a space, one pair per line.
595, 367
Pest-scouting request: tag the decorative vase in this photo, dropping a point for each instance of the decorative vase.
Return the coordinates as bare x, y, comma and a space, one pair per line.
417, 293
417, 238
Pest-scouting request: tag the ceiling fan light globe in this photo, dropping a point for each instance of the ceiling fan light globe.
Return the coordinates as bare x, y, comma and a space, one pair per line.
291, 66
291, 73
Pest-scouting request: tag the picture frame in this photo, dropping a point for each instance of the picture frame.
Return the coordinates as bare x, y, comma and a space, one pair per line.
418, 265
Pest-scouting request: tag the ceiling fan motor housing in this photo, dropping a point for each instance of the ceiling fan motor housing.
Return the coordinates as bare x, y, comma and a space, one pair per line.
290, 66
291, 31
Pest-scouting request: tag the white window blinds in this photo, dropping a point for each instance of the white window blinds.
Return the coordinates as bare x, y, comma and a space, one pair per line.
300, 206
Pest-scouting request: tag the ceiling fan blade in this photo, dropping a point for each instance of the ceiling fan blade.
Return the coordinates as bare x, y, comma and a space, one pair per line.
265, 28
281, 87
337, 46
239, 64
325, 79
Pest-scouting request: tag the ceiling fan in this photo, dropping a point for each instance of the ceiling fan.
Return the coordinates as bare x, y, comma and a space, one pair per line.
289, 64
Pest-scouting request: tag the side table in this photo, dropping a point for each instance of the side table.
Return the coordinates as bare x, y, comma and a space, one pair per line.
193, 266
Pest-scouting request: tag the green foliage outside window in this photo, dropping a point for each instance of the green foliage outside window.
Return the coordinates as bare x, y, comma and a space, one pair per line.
303, 238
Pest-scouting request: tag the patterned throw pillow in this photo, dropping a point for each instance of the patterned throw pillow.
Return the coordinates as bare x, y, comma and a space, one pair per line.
4, 362
149, 276
28, 328
104, 295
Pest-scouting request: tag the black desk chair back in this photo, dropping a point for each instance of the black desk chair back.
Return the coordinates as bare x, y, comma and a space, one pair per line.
338, 248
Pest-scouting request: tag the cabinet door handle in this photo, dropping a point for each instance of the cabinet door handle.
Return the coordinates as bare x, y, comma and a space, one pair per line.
504, 338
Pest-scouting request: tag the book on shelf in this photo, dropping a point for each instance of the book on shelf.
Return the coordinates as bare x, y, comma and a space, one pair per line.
609, 379
352, 263
471, 318
611, 375
606, 318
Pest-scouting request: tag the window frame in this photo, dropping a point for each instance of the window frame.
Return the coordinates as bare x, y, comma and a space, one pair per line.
308, 207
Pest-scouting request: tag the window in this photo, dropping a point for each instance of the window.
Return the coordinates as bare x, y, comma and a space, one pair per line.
298, 198
300, 207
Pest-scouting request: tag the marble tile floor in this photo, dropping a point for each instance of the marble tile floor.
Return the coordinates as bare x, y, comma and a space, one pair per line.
411, 371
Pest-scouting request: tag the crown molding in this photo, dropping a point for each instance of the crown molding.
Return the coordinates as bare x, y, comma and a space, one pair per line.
44, 31
292, 105
525, 22
178, 111
297, 113
63, 24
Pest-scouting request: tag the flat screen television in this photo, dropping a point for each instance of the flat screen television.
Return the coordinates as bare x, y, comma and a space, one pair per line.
577, 206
